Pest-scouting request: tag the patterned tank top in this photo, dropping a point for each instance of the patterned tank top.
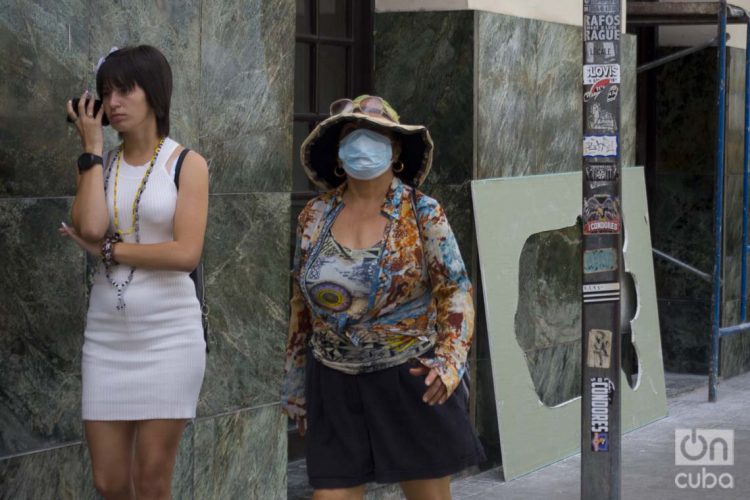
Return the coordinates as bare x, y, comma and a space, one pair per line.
340, 279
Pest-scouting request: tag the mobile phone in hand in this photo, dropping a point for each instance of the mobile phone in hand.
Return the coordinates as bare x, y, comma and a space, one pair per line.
97, 106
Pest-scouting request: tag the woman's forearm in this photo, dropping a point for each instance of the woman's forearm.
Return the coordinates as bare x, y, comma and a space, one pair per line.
89, 214
168, 256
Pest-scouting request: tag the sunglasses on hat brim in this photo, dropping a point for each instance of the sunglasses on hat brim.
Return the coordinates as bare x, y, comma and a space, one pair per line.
371, 105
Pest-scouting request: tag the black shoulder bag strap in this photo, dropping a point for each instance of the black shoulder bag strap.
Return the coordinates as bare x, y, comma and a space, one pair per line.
466, 379
197, 274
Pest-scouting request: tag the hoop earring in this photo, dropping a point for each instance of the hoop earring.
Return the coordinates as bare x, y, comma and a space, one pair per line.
339, 172
398, 167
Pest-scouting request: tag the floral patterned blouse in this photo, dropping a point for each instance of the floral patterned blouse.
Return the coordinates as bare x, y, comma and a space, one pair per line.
407, 303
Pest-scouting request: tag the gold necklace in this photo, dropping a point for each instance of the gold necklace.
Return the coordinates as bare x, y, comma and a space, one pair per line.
136, 201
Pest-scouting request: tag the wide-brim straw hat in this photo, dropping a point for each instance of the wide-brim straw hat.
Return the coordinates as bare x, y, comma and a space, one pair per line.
319, 151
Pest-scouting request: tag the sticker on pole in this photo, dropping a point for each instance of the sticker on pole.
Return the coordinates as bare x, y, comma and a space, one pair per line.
596, 88
599, 145
602, 172
601, 27
605, 51
599, 441
601, 119
592, 73
600, 7
601, 292
602, 391
599, 352
600, 260
601, 215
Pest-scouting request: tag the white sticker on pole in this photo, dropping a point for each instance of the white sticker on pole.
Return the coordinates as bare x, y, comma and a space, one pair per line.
600, 145
592, 73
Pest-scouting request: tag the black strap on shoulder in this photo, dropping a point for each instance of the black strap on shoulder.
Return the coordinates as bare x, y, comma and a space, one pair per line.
178, 166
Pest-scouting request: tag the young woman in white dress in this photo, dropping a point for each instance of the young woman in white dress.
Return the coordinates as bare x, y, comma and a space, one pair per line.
144, 352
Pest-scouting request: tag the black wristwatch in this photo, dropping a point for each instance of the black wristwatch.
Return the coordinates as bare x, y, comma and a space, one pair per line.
88, 160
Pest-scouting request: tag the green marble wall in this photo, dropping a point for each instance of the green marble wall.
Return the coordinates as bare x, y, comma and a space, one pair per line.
683, 210
501, 96
735, 350
233, 74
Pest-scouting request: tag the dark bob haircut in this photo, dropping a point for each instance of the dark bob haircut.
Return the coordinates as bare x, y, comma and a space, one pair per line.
146, 67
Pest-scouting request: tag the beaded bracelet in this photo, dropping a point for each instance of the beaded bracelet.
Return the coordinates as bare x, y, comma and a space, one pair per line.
108, 249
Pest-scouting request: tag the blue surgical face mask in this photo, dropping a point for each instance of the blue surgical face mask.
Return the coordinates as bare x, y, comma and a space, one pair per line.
365, 154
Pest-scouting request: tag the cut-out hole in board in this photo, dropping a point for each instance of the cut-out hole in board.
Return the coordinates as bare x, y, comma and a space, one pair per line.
548, 316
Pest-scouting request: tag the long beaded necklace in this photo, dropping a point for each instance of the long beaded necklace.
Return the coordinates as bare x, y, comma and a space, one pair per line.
135, 225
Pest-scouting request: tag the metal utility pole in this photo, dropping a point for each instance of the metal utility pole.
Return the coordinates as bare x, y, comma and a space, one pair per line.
602, 252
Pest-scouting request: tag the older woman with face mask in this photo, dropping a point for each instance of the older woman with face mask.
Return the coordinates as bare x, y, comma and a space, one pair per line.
381, 314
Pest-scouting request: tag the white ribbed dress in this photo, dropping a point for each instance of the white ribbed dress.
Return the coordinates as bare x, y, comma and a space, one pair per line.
147, 360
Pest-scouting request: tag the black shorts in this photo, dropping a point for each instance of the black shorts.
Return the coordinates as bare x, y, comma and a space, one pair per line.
375, 427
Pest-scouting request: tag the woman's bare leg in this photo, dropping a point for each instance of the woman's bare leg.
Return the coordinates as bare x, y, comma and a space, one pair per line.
111, 449
428, 489
355, 493
156, 446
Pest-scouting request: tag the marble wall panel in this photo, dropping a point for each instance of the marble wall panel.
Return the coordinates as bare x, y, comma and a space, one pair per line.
548, 318
424, 68
247, 259
735, 114
735, 349
42, 306
45, 62
549, 302
730, 312
529, 119
628, 104
247, 77
241, 455
685, 327
732, 270
182, 479
556, 372
229, 59
55, 473
732, 265
686, 113
733, 354
682, 205
174, 29
682, 226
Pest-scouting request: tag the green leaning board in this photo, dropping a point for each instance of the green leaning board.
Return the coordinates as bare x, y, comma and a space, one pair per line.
507, 212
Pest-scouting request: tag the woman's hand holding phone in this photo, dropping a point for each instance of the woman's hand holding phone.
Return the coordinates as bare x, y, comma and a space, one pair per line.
88, 124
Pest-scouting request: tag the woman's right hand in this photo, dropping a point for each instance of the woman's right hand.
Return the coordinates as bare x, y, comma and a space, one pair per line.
89, 126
